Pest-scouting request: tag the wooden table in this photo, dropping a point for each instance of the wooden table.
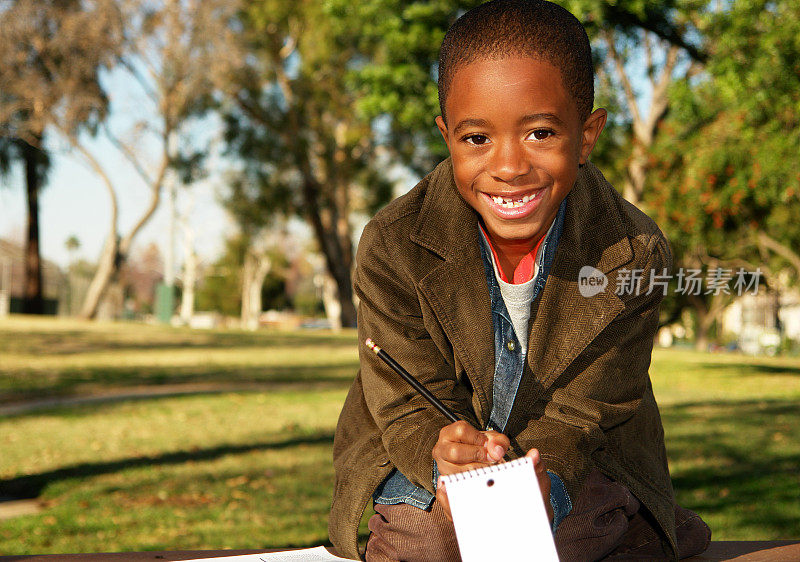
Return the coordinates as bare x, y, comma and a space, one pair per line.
741, 551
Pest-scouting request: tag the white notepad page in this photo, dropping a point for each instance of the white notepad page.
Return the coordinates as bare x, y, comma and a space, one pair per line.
318, 554
498, 513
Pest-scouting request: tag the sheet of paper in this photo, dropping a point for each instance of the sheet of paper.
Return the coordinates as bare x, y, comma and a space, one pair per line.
499, 514
318, 554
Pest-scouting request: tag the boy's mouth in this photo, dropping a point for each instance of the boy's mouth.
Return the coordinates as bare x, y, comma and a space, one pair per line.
513, 205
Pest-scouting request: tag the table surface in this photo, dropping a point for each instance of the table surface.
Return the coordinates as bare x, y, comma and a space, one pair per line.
741, 551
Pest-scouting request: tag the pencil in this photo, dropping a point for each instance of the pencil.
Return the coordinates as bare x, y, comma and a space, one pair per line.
398, 368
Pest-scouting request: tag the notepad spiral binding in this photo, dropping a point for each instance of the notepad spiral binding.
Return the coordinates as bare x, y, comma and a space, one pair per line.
484, 471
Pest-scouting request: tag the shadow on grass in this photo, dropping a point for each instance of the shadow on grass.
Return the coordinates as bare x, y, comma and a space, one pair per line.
31, 486
738, 461
92, 381
146, 338
748, 369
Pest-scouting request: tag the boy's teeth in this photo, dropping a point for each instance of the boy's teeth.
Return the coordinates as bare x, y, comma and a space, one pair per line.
510, 203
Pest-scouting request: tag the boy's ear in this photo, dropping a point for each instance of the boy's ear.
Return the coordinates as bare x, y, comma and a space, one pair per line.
443, 130
592, 128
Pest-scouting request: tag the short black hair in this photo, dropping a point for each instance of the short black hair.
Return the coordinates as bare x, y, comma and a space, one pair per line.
534, 28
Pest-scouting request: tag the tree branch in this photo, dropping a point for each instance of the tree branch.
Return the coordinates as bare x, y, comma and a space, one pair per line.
650, 21
128, 153
765, 241
98, 169
155, 198
630, 96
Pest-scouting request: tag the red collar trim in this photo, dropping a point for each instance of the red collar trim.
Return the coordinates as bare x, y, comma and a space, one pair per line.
526, 268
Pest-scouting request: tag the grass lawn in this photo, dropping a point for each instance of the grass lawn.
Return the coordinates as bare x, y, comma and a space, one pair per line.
245, 462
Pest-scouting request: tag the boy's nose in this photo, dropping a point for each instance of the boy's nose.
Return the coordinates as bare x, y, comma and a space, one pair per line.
508, 162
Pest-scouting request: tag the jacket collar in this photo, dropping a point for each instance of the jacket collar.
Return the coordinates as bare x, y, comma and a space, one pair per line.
594, 234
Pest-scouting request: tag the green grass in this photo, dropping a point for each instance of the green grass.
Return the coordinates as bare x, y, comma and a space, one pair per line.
226, 471
45, 357
732, 428
248, 465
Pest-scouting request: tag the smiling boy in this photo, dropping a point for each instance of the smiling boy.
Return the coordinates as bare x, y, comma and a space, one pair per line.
471, 281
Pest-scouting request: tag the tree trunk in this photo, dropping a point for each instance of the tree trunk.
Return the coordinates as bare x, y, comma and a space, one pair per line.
707, 315
106, 268
330, 301
636, 174
256, 268
33, 300
189, 275
116, 250
702, 327
345, 292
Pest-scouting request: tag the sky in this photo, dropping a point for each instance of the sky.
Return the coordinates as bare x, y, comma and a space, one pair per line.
75, 201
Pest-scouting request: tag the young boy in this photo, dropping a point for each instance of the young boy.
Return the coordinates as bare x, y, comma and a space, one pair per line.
472, 282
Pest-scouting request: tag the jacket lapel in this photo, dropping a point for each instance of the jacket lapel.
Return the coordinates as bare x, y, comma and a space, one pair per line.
456, 288
564, 322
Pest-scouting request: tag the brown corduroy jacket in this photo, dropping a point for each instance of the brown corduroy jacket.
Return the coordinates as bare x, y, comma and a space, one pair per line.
585, 398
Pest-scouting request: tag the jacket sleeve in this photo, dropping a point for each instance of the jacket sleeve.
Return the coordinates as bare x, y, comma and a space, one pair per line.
391, 314
605, 385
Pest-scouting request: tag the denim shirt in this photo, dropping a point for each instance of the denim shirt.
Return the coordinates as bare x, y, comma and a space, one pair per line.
509, 363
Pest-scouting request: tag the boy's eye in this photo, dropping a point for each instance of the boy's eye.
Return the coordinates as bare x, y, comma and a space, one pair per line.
477, 139
541, 134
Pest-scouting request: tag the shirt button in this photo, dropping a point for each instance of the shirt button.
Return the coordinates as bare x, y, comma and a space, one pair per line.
510, 345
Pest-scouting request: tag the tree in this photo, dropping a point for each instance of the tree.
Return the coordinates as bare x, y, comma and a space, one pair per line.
177, 51
72, 244
222, 286
397, 45
725, 181
51, 54
304, 150
36, 163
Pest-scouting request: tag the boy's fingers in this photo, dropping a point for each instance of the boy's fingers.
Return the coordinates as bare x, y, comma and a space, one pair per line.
458, 453
496, 445
462, 432
441, 497
543, 478
536, 457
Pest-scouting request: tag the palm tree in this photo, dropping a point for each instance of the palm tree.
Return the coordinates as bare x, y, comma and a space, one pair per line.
36, 163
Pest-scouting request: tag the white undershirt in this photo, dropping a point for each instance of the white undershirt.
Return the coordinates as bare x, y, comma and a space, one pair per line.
518, 297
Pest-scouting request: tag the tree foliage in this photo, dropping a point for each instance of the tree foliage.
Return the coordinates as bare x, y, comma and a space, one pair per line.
303, 149
725, 183
398, 44
221, 289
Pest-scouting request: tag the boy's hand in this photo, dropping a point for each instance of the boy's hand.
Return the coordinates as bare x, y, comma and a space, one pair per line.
541, 476
462, 447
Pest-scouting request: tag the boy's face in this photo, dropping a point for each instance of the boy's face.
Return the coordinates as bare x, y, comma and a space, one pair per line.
516, 139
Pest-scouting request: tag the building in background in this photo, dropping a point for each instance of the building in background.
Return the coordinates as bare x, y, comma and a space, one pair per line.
762, 322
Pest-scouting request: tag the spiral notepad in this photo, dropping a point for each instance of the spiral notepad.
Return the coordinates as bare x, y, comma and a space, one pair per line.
498, 513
